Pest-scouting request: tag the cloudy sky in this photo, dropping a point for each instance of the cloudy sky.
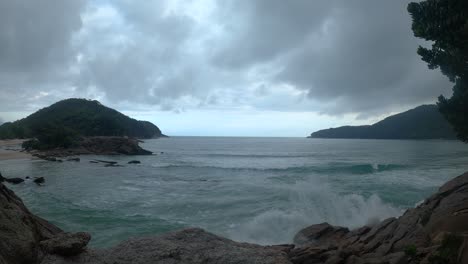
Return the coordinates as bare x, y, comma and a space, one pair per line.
216, 67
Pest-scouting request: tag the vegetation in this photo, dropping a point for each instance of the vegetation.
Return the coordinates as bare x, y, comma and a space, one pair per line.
445, 24
423, 122
411, 251
448, 251
62, 123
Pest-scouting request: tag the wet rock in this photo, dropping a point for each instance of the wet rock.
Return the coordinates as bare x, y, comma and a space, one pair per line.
39, 180
66, 244
322, 234
74, 159
2, 179
106, 162
134, 162
14, 180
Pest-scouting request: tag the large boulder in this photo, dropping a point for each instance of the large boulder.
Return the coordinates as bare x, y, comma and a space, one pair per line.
20, 231
189, 246
14, 180
66, 244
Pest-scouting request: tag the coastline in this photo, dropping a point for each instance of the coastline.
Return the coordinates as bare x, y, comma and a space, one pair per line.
10, 150
433, 232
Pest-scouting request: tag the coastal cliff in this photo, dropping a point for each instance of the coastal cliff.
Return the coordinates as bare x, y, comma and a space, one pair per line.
436, 231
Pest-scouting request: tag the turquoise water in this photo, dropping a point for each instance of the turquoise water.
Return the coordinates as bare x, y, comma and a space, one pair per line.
260, 190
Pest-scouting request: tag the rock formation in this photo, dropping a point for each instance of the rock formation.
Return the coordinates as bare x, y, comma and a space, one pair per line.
422, 235
435, 232
97, 146
20, 231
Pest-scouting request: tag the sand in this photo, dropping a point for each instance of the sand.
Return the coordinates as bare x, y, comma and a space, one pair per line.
10, 149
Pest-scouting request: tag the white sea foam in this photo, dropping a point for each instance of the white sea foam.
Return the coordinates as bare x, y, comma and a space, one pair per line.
312, 203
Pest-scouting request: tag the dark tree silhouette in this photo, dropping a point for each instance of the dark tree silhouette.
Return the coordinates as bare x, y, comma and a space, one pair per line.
445, 24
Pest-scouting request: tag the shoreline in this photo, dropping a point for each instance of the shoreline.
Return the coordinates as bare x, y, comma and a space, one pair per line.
423, 234
10, 150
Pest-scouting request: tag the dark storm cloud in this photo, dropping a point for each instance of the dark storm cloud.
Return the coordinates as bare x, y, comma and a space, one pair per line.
258, 31
357, 55
35, 48
148, 63
328, 56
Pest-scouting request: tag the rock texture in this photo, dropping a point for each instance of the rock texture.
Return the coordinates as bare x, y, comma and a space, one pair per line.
421, 235
435, 232
66, 244
20, 231
182, 247
97, 146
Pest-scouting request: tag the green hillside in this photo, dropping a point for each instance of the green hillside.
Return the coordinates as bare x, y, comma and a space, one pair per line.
78, 117
423, 122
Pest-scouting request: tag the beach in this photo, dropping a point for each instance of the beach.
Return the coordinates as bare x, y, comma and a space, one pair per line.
10, 149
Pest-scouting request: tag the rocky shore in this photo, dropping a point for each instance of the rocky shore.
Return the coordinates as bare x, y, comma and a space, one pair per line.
436, 231
96, 146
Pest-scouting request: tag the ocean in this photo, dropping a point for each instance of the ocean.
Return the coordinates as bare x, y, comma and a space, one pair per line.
260, 190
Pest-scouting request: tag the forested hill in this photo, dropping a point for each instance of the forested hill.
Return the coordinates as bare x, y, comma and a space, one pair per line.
422, 122
79, 117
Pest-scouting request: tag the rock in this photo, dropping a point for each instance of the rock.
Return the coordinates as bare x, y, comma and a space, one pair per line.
100, 145
322, 234
112, 146
20, 231
2, 179
188, 246
113, 165
74, 159
106, 161
14, 180
66, 244
192, 246
424, 228
39, 180
134, 162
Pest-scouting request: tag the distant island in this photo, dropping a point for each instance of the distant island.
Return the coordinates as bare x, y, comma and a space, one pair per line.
77, 124
422, 122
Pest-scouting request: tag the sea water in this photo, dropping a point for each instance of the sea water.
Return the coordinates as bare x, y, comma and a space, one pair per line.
260, 190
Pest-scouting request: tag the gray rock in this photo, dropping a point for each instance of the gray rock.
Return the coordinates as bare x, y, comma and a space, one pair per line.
66, 244
39, 180
134, 162
20, 231
422, 228
189, 246
14, 180
322, 234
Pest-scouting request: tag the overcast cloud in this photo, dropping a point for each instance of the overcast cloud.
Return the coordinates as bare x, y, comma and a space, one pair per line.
336, 62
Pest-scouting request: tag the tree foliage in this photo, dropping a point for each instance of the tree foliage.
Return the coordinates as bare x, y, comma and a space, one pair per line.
62, 123
445, 24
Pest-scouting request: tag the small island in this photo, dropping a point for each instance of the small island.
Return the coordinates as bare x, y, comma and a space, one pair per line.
80, 126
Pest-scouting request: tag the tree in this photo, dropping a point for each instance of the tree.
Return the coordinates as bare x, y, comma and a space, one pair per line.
445, 24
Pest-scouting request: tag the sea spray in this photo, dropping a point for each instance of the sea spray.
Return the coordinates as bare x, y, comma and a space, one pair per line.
312, 202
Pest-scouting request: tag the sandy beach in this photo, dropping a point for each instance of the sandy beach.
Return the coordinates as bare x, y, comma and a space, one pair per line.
9, 149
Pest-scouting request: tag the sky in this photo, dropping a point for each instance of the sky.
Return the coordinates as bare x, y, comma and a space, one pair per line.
217, 67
